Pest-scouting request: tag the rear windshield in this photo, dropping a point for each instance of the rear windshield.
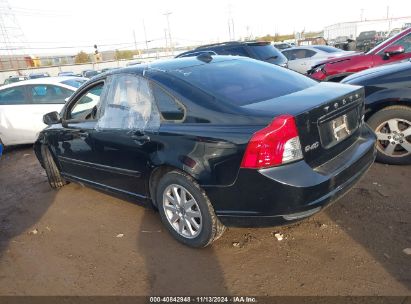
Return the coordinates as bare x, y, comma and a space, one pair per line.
244, 81
328, 49
367, 34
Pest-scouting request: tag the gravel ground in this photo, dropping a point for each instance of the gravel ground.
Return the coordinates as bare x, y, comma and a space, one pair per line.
78, 241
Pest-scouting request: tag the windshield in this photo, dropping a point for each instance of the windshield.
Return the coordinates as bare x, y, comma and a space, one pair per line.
327, 49
244, 81
269, 53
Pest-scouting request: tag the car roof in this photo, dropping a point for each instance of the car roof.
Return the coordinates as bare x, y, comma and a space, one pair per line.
310, 47
231, 43
166, 65
44, 80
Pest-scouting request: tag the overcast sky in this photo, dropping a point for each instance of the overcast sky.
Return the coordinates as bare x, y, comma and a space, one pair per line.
82, 23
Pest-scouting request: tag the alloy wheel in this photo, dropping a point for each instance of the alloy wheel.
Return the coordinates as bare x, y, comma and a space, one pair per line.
394, 137
182, 211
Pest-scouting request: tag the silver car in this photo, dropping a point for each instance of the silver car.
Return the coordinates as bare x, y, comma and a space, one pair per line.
302, 58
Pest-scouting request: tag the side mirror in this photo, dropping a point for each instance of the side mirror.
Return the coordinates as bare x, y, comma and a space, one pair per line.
52, 118
394, 50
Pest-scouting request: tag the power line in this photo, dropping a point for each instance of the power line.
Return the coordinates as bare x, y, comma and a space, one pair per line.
75, 46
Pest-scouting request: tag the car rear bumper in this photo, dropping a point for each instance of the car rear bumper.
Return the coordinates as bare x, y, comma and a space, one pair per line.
291, 192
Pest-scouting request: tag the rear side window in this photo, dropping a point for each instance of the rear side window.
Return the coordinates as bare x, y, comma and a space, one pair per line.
244, 81
169, 107
129, 104
49, 94
299, 54
13, 96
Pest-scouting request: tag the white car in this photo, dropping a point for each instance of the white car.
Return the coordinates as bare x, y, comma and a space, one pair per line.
23, 104
302, 58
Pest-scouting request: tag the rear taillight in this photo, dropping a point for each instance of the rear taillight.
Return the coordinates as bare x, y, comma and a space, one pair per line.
276, 144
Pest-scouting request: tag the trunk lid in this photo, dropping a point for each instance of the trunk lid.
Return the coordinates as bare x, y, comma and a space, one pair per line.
328, 116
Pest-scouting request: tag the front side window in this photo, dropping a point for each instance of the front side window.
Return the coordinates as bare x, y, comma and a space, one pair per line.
129, 104
405, 42
48, 94
86, 106
289, 54
13, 96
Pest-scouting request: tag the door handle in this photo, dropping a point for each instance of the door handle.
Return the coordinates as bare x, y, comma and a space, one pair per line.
140, 138
83, 134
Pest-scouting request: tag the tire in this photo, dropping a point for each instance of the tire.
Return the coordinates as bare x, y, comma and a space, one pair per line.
53, 173
197, 209
393, 128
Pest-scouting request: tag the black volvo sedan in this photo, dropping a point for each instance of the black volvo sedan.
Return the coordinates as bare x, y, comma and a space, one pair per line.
211, 141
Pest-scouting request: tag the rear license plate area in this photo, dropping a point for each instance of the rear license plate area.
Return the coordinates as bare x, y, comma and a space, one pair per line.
334, 130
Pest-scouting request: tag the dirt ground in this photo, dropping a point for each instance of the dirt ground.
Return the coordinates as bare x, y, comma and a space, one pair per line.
78, 241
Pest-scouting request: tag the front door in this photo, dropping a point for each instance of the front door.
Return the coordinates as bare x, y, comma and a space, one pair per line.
112, 143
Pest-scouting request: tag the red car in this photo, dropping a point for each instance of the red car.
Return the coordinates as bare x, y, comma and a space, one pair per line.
393, 49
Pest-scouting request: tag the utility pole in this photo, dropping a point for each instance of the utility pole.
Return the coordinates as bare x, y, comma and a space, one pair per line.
135, 41
145, 37
362, 14
167, 14
165, 35
231, 30
388, 12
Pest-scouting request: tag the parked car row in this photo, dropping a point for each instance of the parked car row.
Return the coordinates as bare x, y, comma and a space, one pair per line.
86, 74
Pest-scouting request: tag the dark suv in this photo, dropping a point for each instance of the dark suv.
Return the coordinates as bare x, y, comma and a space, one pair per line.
366, 40
259, 50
